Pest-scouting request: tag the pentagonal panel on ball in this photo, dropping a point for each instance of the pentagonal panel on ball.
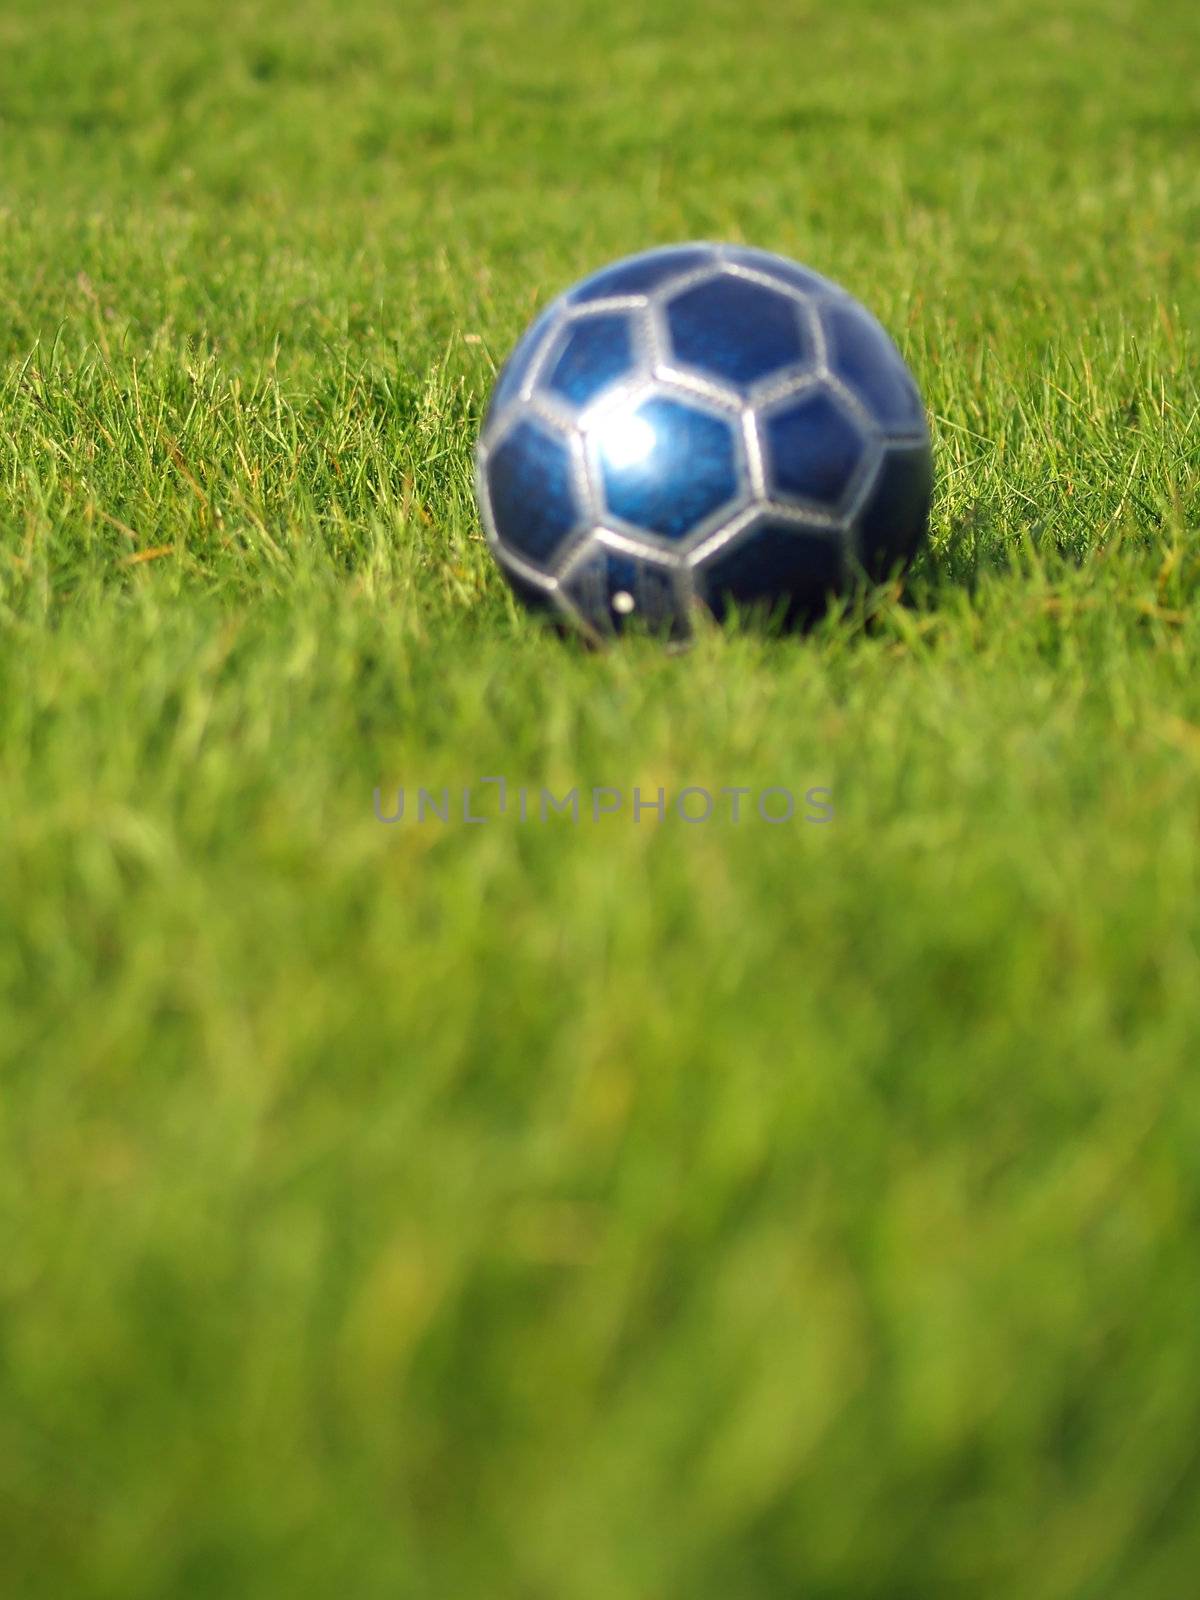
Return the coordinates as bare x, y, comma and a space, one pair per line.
773, 564
812, 450
613, 589
664, 464
894, 517
517, 368
864, 358
532, 492
781, 268
589, 355
641, 273
736, 331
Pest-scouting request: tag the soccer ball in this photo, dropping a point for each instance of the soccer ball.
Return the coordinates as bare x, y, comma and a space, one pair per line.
702, 424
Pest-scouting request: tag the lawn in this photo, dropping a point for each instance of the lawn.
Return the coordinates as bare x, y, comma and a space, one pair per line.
615, 1210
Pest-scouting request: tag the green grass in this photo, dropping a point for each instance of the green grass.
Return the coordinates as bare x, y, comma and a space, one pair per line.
603, 1212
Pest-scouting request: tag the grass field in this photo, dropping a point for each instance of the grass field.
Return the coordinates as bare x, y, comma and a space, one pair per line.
613, 1211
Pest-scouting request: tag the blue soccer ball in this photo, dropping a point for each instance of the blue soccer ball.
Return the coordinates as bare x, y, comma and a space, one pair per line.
701, 425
